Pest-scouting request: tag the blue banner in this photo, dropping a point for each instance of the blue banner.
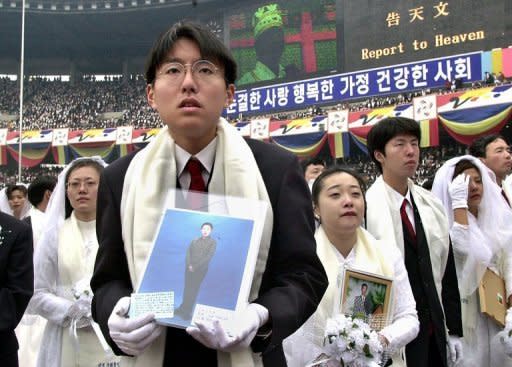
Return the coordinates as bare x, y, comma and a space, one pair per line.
395, 79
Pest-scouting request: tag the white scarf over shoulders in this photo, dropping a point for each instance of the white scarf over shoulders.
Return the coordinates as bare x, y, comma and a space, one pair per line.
60, 262
150, 176
370, 256
385, 223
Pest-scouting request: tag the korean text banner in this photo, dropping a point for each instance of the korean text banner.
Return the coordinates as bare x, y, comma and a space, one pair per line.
336, 88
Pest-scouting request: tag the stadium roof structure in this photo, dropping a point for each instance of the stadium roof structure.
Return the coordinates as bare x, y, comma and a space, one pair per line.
93, 36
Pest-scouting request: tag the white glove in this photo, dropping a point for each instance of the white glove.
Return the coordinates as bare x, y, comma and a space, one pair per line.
232, 336
132, 336
455, 348
458, 190
79, 312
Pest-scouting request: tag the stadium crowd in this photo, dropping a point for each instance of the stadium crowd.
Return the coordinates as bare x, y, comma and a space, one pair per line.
86, 104
90, 104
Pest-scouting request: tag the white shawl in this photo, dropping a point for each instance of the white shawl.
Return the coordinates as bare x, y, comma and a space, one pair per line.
306, 343
150, 176
385, 223
59, 247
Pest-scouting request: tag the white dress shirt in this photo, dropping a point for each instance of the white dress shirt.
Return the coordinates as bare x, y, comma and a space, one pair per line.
398, 199
207, 158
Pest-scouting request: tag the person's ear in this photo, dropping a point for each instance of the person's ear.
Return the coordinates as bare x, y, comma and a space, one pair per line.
230, 95
150, 95
316, 213
379, 156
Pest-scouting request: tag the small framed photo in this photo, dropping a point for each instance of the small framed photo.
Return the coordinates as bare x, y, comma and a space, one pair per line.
366, 296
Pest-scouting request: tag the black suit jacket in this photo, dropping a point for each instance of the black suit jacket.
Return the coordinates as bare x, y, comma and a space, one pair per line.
16, 281
294, 280
429, 306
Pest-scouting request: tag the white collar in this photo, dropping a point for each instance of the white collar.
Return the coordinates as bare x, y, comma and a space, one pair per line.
206, 156
345, 261
397, 197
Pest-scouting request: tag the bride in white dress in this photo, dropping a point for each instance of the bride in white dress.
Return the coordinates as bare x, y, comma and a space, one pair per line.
480, 231
339, 205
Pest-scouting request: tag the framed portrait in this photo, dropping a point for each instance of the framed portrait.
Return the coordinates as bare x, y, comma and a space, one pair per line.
367, 296
195, 251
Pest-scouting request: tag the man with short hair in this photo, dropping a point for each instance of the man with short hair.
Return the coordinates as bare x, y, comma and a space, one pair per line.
199, 253
402, 213
362, 303
312, 168
39, 193
494, 151
190, 77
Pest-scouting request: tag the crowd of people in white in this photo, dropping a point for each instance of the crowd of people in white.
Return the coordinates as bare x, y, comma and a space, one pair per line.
473, 193
92, 229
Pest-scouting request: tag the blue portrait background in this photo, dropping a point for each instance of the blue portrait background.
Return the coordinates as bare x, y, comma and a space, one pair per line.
166, 267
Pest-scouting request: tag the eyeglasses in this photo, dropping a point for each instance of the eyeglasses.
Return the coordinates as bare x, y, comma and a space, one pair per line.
202, 70
76, 185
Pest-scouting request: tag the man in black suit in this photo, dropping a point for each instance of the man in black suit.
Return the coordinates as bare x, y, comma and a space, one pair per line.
16, 283
362, 303
403, 213
199, 253
190, 76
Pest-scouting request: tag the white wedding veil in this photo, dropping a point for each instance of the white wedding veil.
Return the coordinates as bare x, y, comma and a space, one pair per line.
489, 233
56, 211
46, 276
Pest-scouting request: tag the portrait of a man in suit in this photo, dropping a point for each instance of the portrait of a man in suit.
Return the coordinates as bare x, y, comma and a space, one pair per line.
199, 253
362, 303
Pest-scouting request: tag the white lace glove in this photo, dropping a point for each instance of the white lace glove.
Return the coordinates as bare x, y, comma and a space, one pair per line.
454, 348
132, 336
231, 336
458, 190
506, 337
79, 312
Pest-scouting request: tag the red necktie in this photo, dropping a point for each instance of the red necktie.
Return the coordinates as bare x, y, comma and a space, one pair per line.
406, 222
195, 196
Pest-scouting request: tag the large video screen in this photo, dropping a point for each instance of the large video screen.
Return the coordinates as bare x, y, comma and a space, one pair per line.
283, 40
380, 33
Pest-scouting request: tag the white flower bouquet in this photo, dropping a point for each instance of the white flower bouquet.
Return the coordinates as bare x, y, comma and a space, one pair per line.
351, 342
